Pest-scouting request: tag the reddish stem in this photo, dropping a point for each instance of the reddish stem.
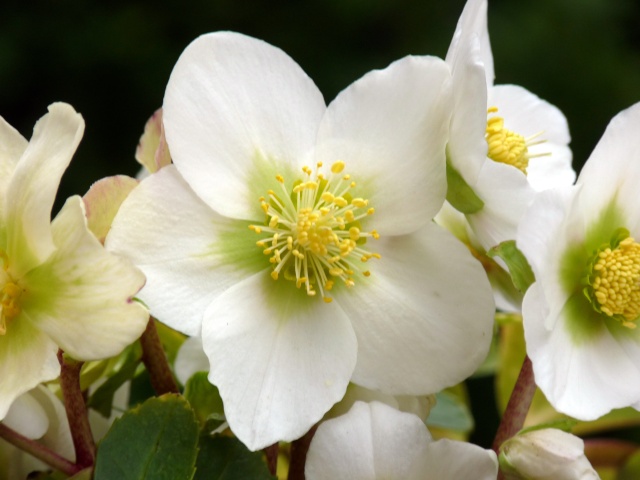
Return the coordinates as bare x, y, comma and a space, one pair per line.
155, 360
299, 449
271, 453
517, 408
77, 414
39, 451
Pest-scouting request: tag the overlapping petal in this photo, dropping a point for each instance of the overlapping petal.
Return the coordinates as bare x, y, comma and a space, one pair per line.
81, 295
27, 358
427, 301
237, 110
392, 140
279, 360
188, 252
33, 187
12, 146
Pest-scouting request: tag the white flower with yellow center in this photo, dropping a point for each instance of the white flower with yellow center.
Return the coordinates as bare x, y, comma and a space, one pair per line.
581, 315
505, 142
297, 240
374, 441
60, 288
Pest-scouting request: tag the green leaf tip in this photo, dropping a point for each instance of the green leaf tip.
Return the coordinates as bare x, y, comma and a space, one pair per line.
519, 267
459, 194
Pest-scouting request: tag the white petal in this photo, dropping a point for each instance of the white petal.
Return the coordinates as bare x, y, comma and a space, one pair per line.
613, 170
473, 23
279, 358
452, 460
238, 110
58, 435
584, 380
188, 252
553, 171
372, 441
190, 359
506, 194
34, 184
392, 140
27, 358
423, 318
81, 296
12, 146
27, 417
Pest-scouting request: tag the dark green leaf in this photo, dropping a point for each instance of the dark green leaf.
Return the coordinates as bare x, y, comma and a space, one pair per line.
155, 441
460, 194
203, 397
226, 458
519, 267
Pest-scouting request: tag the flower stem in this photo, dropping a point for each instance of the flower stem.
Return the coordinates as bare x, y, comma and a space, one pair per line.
299, 449
77, 413
38, 450
271, 453
518, 406
155, 360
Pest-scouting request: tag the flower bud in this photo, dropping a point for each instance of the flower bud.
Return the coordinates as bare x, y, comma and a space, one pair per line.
547, 454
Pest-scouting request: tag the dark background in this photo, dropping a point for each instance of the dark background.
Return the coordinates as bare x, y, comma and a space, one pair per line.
111, 61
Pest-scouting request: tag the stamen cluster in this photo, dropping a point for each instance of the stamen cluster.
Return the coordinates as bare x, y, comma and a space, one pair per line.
315, 236
616, 281
9, 296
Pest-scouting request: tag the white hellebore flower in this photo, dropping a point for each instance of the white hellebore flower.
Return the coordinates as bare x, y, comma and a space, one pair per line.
545, 454
505, 142
374, 441
60, 287
262, 237
580, 316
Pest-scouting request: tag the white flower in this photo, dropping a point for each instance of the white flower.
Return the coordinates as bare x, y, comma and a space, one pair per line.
271, 190
505, 142
580, 315
546, 454
374, 441
60, 288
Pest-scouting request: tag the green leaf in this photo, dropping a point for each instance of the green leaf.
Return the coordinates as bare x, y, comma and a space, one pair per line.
226, 458
519, 267
203, 397
450, 413
157, 440
102, 398
460, 194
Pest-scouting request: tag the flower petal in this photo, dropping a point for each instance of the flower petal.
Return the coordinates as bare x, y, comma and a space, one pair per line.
613, 171
237, 109
423, 318
12, 146
188, 252
572, 375
372, 440
392, 140
453, 460
27, 358
279, 358
103, 200
81, 296
506, 195
27, 417
34, 184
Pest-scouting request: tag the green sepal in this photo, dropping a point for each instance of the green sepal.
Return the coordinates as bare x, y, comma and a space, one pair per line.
204, 398
459, 194
158, 439
564, 424
519, 267
451, 412
226, 458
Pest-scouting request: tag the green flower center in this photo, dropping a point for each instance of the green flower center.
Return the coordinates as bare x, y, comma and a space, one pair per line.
9, 296
614, 279
506, 146
314, 232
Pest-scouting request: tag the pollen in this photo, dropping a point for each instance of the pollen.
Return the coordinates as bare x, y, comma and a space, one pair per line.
313, 232
508, 147
615, 281
9, 298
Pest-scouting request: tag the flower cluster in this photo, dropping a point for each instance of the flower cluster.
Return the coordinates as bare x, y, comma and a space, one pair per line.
324, 276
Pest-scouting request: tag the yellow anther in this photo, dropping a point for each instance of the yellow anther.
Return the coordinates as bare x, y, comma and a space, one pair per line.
274, 275
371, 211
255, 228
319, 165
290, 242
274, 221
354, 233
359, 202
341, 202
349, 216
279, 178
327, 299
307, 170
336, 272
347, 177
352, 184
265, 207
260, 243
366, 273
327, 197
337, 167
301, 281
375, 234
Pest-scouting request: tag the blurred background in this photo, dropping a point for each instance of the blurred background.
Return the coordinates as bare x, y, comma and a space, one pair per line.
111, 61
